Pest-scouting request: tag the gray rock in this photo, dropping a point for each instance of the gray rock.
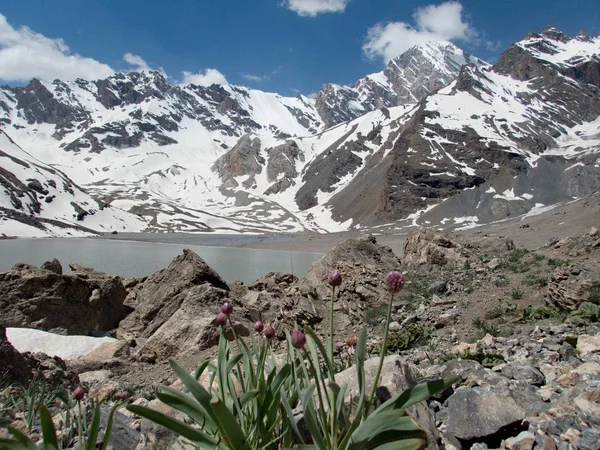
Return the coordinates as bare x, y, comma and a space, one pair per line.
524, 372
53, 266
475, 413
77, 303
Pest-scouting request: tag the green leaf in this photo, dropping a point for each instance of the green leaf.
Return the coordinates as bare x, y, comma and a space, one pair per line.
415, 394
360, 354
405, 444
386, 427
310, 419
248, 396
189, 406
109, 425
317, 341
21, 441
48, 431
229, 426
195, 388
291, 418
92, 437
200, 370
176, 426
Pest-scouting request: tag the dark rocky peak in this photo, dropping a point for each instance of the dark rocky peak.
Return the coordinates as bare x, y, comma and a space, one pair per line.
555, 34
131, 88
244, 159
40, 105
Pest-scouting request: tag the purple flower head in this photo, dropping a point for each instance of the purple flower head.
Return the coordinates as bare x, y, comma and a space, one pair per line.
394, 281
221, 319
335, 278
78, 394
227, 308
258, 326
269, 332
298, 339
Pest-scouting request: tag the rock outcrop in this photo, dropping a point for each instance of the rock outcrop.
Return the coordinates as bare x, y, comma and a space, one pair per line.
81, 302
174, 308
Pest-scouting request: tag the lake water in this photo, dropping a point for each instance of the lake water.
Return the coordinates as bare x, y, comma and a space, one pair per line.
135, 259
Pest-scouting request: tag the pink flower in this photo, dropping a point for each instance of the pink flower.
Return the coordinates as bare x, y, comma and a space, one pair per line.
335, 278
298, 339
258, 326
269, 332
227, 308
78, 394
394, 281
221, 319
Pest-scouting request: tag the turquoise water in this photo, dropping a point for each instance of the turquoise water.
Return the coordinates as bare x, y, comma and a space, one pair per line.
136, 259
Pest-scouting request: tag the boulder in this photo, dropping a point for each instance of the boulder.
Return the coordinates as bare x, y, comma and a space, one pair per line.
570, 286
396, 376
476, 413
190, 328
156, 299
433, 247
76, 303
587, 344
53, 266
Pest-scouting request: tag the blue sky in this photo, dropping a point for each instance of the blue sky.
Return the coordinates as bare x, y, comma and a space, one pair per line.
286, 46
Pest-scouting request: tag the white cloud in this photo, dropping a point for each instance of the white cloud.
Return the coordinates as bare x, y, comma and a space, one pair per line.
256, 78
25, 54
311, 8
209, 77
443, 22
137, 61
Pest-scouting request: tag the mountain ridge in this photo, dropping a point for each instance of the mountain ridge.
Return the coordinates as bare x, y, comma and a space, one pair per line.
229, 158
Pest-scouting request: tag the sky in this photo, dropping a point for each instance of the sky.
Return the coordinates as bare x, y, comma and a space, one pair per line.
284, 46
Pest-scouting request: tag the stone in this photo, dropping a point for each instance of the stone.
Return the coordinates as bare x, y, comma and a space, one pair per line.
494, 263
587, 344
589, 402
76, 303
475, 413
108, 351
568, 287
432, 247
525, 373
190, 327
53, 266
593, 232
523, 441
95, 376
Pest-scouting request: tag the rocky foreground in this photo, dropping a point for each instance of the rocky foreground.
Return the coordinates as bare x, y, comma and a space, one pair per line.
520, 328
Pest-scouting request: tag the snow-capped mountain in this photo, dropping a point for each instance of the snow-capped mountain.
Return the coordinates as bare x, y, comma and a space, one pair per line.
429, 140
419, 71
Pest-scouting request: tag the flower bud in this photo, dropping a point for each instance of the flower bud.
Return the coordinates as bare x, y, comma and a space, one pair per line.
227, 308
221, 319
335, 278
258, 326
394, 281
78, 394
269, 332
298, 339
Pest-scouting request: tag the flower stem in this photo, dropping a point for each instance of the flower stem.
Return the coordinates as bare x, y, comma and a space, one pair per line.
331, 376
383, 352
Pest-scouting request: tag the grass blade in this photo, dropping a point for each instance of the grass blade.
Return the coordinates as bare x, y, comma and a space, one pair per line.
48, 431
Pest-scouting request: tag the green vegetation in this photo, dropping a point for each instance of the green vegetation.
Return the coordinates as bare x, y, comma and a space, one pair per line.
587, 311
374, 315
409, 336
485, 328
516, 294
538, 312
533, 280
556, 262
501, 281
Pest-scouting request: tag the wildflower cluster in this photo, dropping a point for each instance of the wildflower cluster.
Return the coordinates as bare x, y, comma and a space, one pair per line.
252, 397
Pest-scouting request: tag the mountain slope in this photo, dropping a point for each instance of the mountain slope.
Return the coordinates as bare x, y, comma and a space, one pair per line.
419, 71
487, 143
